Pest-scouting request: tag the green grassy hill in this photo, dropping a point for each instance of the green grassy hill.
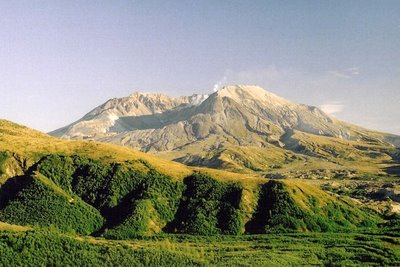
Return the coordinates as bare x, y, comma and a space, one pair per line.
94, 188
54, 192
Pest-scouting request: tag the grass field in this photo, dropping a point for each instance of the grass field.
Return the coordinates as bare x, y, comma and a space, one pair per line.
286, 249
49, 247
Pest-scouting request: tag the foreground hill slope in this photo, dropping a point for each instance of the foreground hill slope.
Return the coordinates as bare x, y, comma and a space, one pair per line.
102, 189
208, 131
65, 202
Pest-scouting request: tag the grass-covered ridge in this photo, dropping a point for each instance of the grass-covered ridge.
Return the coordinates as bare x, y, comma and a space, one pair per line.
133, 197
280, 208
124, 200
33, 145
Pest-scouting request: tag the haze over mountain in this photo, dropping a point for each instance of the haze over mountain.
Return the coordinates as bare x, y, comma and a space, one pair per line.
206, 130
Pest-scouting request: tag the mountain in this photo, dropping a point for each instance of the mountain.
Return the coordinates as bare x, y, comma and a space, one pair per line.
240, 128
246, 114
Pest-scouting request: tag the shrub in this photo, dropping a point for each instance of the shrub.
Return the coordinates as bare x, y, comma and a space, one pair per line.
3, 158
208, 207
40, 204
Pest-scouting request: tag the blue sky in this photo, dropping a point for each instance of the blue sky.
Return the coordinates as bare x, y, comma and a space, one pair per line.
59, 59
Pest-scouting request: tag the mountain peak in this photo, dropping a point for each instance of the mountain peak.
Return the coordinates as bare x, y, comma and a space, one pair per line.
194, 99
253, 92
247, 88
147, 94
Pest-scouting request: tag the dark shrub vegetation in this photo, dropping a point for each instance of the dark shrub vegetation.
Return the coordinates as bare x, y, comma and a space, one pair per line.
208, 207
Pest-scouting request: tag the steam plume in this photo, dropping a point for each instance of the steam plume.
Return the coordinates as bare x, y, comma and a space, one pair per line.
218, 85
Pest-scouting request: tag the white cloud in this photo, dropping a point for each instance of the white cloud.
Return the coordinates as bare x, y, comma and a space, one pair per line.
339, 74
346, 73
332, 108
353, 70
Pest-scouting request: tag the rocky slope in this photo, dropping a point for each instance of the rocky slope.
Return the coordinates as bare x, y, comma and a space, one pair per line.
105, 118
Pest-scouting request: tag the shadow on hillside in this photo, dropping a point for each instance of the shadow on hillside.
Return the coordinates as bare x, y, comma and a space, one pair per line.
11, 187
393, 170
153, 121
116, 215
257, 223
